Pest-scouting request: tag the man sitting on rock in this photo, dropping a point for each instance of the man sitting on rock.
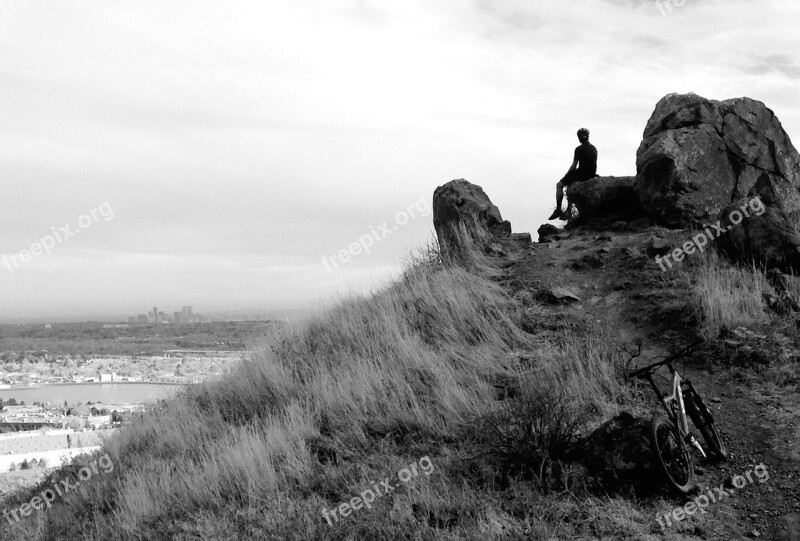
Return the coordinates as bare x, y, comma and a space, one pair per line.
584, 167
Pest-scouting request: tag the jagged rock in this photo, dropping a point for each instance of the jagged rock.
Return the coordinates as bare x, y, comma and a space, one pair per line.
462, 208
632, 252
521, 238
559, 295
588, 261
657, 246
620, 455
698, 155
605, 199
767, 236
496, 249
547, 232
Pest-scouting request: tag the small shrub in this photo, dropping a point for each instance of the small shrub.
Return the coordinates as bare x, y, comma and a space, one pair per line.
530, 434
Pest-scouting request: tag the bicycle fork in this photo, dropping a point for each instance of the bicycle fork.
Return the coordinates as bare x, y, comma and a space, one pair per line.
689, 438
683, 424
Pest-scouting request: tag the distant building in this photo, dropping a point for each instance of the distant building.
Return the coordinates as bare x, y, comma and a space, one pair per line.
21, 410
106, 378
184, 315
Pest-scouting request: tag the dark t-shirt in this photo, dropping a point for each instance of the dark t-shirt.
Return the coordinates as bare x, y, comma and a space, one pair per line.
586, 154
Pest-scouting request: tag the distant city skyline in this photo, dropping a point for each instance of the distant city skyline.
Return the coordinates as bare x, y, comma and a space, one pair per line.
273, 156
123, 318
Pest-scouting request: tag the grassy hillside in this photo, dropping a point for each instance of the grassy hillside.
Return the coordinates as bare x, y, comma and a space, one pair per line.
430, 384
324, 409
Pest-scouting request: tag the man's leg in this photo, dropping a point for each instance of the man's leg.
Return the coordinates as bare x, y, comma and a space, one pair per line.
570, 212
568, 179
559, 199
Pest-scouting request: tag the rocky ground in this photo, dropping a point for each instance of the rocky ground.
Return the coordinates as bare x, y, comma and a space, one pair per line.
608, 279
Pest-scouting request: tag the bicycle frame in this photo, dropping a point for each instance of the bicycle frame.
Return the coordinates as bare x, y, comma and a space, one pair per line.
676, 414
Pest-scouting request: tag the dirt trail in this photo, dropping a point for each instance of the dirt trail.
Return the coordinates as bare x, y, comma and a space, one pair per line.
621, 288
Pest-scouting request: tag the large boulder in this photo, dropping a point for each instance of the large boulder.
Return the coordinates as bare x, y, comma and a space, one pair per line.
620, 454
464, 214
698, 155
605, 199
758, 229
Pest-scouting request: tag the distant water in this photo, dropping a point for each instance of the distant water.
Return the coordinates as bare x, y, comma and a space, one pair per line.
95, 392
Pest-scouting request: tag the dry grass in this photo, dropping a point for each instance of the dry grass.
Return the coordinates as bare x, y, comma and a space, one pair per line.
325, 408
727, 296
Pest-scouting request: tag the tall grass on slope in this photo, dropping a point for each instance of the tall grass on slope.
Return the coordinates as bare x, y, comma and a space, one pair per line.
321, 409
727, 296
420, 356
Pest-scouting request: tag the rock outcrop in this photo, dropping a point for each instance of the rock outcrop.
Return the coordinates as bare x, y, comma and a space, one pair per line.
758, 229
619, 453
463, 213
549, 232
605, 199
698, 155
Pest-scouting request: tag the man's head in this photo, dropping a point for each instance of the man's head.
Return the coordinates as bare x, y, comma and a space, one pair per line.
583, 135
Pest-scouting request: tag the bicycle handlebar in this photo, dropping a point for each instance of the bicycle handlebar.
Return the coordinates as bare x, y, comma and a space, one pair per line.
642, 372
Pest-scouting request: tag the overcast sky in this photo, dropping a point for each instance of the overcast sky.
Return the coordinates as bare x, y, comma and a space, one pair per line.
227, 147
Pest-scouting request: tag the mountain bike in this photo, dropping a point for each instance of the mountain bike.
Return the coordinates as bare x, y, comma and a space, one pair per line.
670, 436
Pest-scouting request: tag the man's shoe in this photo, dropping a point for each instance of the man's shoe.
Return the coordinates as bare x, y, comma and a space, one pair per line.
557, 215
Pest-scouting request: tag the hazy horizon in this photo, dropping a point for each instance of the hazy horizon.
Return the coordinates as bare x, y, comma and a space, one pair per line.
221, 155
221, 315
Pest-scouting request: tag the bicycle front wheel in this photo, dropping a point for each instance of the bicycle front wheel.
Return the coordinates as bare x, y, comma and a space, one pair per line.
704, 422
672, 455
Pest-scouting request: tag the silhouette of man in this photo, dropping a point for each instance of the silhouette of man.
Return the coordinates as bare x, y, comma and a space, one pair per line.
584, 167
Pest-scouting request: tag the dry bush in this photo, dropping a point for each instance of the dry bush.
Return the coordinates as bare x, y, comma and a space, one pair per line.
528, 435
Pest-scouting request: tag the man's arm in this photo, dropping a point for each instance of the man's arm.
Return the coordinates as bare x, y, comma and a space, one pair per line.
574, 166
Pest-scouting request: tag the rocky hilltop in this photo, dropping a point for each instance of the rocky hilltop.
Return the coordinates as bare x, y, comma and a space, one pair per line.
700, 162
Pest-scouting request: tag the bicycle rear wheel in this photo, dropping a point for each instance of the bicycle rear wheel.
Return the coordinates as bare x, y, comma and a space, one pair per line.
672, 455
704, 421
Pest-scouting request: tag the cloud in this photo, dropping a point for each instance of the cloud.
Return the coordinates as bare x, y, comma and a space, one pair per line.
269, 134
